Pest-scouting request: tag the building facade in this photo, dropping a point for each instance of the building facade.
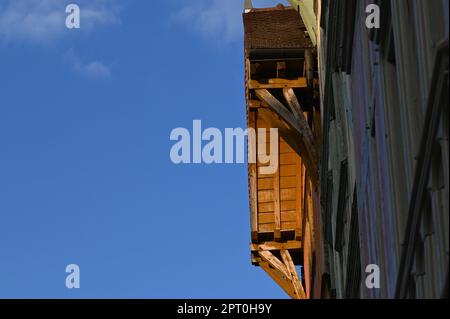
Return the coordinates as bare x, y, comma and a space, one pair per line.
384, 169
383, 190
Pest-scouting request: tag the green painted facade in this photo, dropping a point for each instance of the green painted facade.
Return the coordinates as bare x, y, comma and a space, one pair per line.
306, 9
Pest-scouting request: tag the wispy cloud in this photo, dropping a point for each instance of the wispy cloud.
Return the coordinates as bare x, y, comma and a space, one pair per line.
217, 20
213, 18
43, 21
92, 69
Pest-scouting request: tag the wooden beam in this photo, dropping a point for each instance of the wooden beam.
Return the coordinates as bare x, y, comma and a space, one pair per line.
277, 203
307, 259
297, 109
299, 199
274, 262
309, 201
253, 181
278, 83
298, 287
270, 245
284, 282
283, 273
281, 69
256, 104
307, 150
293, 103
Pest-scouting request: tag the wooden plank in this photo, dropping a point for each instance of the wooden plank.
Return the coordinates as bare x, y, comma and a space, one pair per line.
293, 103
252, 179
266, 207
260, 121
288, 225
288, 193
255, 104
277, 205
289, 216
265, 183
278, 83
307, 259
288, 170
288, 205
285, 217
266, 218
288, 158
265, 133
299, 199
305, 148
266, 228
285, 148
265, 196
309, 202
287, 259
289, 181
295, 106
274, 262
272, 245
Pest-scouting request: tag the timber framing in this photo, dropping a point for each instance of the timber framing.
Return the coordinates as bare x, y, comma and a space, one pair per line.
281, 90
278, 83
282, 272
298, 125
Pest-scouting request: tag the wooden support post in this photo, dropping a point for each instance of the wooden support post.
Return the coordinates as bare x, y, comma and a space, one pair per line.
253, 180
297, 109
299, 200
298, 287
277, 203
293, 103
274, 262
281, 69
307, 258
309, 201
283, 273
282, 281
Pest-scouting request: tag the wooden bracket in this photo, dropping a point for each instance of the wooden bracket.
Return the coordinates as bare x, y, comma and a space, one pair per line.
282, 272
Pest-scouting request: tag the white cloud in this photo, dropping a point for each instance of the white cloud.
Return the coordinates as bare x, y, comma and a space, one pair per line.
220, 20
43, 21
93, 69
215, 19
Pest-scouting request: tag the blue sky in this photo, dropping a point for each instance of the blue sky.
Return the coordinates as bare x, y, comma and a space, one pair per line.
85, 171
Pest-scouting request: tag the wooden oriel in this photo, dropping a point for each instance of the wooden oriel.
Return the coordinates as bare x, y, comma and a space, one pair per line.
278, 92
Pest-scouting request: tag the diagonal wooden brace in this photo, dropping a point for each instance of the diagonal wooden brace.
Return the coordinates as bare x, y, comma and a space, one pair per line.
300, 128
284, 274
